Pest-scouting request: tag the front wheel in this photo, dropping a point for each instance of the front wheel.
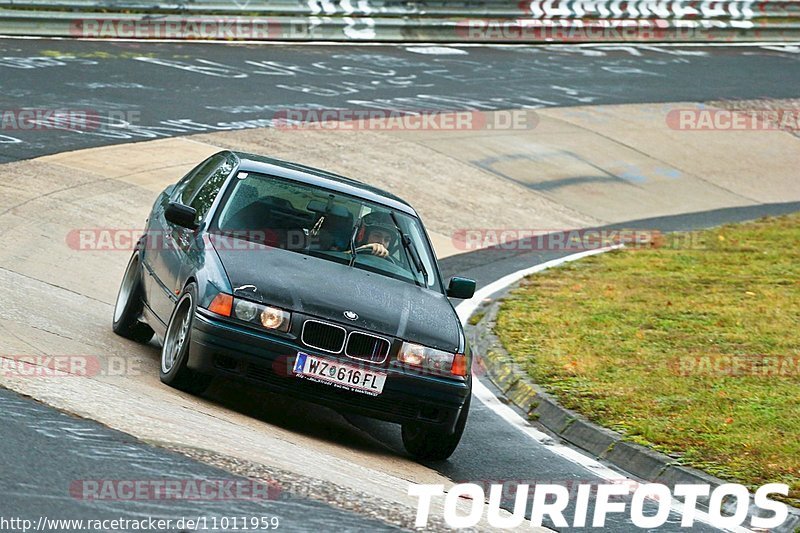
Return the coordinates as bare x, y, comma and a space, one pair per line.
431, 443
175, 351
129, 305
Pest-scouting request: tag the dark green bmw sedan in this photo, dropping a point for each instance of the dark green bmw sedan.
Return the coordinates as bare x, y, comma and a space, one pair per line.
305, 283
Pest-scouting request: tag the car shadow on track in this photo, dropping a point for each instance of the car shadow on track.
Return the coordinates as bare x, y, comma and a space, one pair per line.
301, 417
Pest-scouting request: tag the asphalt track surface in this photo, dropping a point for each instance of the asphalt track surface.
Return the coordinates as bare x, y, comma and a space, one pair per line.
174, 89
56, 456
151, 90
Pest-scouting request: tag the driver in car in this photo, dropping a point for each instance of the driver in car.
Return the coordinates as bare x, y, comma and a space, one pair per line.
377, 234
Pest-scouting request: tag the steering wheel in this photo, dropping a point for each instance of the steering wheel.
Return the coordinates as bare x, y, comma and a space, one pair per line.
381, 262
394, 260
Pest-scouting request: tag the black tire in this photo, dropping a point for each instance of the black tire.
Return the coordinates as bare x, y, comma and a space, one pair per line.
128, 307
429, 443
175, 350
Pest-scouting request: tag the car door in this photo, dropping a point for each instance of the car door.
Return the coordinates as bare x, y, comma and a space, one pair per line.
169, 243
189, 251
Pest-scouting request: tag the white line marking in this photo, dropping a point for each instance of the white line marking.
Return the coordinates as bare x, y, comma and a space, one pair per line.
487, 397
435, 50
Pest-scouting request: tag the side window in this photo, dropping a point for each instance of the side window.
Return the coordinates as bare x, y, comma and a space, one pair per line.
209, 190
198, 177
186, 179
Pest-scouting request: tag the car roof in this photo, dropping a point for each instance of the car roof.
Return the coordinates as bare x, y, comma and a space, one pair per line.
322, 178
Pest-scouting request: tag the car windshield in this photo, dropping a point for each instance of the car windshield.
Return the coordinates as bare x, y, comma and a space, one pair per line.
329, 225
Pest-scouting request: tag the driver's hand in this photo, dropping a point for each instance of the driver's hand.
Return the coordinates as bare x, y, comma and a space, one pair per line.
374, 248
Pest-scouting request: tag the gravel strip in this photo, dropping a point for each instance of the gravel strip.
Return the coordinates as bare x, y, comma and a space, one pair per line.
787, 105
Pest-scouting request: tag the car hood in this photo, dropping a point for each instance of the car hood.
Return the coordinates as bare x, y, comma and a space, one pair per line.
326, 289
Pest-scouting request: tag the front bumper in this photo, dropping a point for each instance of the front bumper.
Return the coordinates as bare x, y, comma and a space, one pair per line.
225, 349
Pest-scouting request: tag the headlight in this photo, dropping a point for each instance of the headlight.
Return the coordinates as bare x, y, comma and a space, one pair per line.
262, 315
245, 310
274, 318
437, 361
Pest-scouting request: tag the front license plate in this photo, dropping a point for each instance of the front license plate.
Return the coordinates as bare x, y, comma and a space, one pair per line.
338, 374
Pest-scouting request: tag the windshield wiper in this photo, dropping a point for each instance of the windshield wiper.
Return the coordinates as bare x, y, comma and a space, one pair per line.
411, 250
353, 246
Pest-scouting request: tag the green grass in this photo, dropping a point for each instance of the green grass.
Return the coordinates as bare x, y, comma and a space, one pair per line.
631, 339
476, 317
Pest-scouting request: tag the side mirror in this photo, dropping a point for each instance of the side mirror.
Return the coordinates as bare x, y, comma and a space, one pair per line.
181, 215
461, 288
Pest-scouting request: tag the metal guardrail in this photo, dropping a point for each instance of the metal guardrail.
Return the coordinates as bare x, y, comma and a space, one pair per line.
395, 20
282, 7
677, 9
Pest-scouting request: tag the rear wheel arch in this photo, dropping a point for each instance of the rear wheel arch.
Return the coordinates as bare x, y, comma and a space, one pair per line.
129, 304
